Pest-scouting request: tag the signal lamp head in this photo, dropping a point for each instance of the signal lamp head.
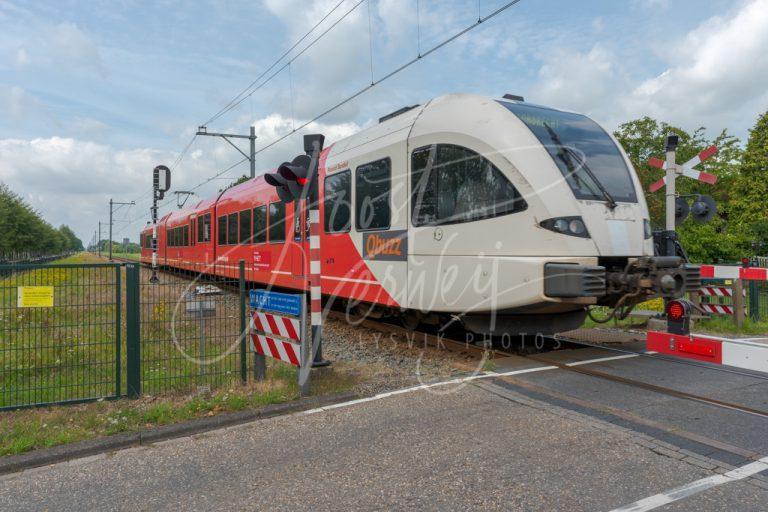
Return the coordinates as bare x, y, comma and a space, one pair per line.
676, 310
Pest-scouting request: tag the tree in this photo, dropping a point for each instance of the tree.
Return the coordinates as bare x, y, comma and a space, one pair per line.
750, 185
24, 230
719, 239
72, 243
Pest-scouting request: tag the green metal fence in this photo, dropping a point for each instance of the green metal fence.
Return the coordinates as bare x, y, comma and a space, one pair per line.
757, 300
190, 331
79, 332
60, 339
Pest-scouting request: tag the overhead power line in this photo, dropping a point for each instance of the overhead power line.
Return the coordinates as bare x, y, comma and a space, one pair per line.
253, 88
238, 98
392, 73
244, 94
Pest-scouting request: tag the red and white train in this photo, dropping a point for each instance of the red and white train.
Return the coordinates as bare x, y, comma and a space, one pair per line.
507, 216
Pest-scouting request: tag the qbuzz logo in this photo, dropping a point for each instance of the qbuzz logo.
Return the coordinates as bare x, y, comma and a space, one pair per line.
386, 245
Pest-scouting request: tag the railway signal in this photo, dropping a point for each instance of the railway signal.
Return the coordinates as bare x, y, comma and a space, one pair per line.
294, 181
161, 183
703, 210
686, 169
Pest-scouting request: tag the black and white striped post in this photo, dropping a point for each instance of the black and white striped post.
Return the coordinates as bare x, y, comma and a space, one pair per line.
313, 146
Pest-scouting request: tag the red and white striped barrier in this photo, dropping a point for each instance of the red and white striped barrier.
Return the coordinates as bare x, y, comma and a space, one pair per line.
268, 341
280, 325
686, 169
715, 291
718, 309
740, 353
279, 349
734, 272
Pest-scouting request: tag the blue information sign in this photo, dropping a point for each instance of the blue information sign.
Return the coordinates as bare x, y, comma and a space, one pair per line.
280, 303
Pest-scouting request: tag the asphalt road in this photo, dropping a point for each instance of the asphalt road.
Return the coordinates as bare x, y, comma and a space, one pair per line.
546, 440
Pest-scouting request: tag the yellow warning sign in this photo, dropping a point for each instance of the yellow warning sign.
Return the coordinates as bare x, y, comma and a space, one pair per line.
35, 297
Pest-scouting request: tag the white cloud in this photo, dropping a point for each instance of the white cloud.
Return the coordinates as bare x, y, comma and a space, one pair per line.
578, 81
274, 126
70, 181
62, 46
715, 77
720, 68
22, 57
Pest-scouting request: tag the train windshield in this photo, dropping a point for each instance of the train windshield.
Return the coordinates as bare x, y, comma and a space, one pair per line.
586, 156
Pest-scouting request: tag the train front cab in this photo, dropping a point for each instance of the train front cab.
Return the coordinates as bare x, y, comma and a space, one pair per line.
492, 184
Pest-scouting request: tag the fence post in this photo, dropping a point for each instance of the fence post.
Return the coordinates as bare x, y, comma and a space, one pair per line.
132, 330
243, 326
738, 302
118, 330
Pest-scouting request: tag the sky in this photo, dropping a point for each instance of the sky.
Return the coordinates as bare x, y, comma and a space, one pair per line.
94, 95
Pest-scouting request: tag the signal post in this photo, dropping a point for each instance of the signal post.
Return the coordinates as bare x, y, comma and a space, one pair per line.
296, 181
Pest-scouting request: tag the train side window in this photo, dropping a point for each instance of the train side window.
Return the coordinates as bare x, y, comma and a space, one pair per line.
260, 224
221, 227
372, 186
452, 184
276, 222
204, 228
232, 229
245, 227
193, 230
185, 235
337, 202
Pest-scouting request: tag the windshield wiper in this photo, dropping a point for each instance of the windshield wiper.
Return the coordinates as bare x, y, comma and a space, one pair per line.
566, 153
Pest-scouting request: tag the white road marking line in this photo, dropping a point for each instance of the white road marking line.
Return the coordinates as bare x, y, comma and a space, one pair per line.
461, 380
612, 358
695, 487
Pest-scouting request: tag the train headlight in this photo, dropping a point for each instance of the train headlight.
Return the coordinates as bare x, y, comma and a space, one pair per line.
573, 226
647, 231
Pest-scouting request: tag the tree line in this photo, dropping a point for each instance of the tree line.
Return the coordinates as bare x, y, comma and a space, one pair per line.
25, 231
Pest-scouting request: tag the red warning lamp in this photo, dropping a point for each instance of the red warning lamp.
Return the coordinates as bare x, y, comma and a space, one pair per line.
675, 310
679, 316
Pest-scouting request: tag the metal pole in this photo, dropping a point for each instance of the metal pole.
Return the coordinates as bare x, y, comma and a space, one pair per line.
244, 331
133, 330
201, 316
252, 138
671, 146
315, 295
153, 278
110, 230
98, 242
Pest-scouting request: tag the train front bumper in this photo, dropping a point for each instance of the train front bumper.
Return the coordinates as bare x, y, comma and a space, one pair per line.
639, 278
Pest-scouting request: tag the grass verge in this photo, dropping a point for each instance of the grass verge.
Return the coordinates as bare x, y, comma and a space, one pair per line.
30, 429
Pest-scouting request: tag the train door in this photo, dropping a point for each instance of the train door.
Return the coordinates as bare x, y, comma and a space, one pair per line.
381, 217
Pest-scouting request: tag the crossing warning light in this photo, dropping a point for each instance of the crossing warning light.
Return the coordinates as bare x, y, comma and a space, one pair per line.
679, 316
294, 180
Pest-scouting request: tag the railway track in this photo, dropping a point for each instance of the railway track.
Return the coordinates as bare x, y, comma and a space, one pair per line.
445, 342
463, 347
